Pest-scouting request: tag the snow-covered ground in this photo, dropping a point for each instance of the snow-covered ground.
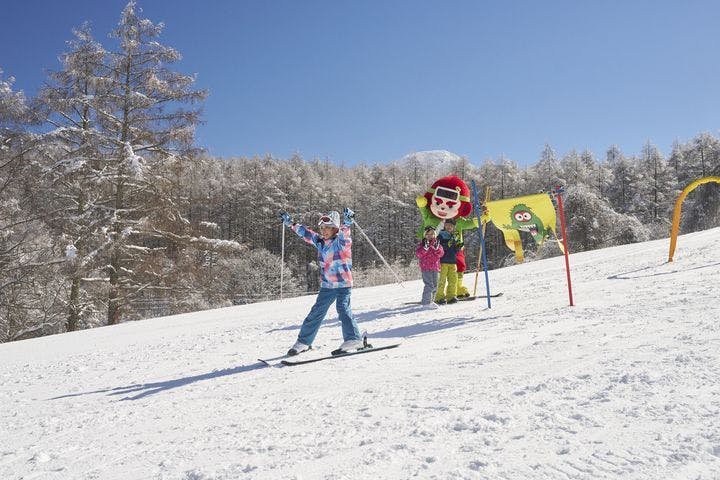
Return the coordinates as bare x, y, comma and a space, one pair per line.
626, 384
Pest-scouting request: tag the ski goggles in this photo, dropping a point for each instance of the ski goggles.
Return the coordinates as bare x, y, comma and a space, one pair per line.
448, 194
326, 221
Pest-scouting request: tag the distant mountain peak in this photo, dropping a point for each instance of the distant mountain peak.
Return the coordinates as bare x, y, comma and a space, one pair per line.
432, 157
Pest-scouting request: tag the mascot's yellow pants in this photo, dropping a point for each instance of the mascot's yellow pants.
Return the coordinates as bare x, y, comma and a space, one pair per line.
462, 290
448, 273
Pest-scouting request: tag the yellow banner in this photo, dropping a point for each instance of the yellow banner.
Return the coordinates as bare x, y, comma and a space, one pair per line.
534, 214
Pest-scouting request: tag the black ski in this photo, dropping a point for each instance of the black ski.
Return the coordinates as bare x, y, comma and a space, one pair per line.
368, 349
267, 361
462, 299
465, 299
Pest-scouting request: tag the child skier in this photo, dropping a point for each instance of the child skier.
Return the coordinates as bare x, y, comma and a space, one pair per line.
448, 268
429, 252
333, 244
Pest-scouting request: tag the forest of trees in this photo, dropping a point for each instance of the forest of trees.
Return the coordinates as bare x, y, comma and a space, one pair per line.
109, 212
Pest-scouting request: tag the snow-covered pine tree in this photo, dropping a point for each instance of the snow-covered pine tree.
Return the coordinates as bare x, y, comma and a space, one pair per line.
622, 189
75, 187
490, 174
149, 133
704, 155
29, 266
655, 188
590, 168
574, 172
547, 173
595, 224
702, 207
603, 178
513, 179
676, 161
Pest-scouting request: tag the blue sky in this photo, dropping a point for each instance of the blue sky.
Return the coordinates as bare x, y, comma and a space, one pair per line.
373, 80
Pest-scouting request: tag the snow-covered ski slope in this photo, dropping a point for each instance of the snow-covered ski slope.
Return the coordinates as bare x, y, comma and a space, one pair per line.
626, 384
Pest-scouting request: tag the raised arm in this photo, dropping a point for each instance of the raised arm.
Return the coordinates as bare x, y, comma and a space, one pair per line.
310, 236
467, 223
302, 231
344, 234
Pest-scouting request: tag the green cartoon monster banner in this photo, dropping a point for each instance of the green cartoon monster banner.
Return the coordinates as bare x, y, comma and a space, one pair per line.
534, 214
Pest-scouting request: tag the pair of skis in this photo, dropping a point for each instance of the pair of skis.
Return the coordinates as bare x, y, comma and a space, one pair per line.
367, 348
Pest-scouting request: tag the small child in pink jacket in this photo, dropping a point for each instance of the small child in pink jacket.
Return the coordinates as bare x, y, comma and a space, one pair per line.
429, 252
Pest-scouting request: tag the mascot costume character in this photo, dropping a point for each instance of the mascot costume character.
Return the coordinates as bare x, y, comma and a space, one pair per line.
448, 197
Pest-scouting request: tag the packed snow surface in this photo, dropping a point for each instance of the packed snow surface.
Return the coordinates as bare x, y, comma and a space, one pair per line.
626, 384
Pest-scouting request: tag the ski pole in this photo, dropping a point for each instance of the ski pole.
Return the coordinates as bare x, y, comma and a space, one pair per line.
479, 260
379, 254
482, 240
282, 260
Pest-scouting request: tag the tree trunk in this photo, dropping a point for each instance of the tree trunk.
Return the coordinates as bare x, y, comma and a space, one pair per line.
114, 310
74, 306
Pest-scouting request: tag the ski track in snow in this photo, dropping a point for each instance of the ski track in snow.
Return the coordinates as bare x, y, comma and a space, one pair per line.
626, 384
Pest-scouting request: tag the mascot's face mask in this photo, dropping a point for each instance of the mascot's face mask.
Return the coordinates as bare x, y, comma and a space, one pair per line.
445, 203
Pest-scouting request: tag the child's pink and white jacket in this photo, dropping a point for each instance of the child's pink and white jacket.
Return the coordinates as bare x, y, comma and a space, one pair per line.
429, 255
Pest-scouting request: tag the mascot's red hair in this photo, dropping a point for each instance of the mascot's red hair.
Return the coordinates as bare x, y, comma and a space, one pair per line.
449, 197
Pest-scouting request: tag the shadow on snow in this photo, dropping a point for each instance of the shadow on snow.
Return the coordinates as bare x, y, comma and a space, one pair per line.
360, 317
143, 390
629, 275
432, 326
407, 330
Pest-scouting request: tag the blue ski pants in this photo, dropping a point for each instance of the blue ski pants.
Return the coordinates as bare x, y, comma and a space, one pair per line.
341, 297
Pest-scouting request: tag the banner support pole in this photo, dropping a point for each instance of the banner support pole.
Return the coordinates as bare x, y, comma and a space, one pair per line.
558, 195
